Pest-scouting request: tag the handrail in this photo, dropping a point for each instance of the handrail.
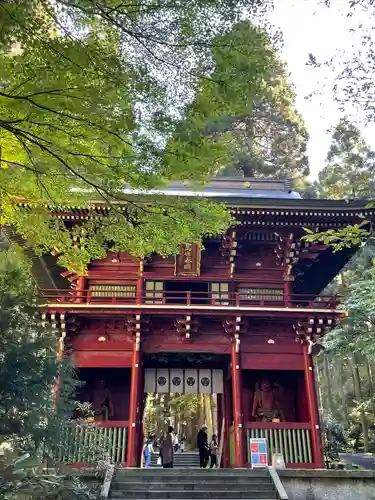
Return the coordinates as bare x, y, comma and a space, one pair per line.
106, 486
112, 423
282, 494
267, 297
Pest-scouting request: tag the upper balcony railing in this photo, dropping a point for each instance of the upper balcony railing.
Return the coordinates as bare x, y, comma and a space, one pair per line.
190, 298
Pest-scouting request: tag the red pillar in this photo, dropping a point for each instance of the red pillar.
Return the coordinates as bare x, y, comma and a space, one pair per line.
316, 437
135, 407
237, 406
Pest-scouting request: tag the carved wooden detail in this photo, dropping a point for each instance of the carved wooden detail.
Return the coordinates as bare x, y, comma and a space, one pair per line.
291, 250
314, 327
186, 326
228, 250
233, 326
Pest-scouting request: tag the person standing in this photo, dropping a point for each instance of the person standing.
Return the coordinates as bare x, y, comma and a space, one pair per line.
182, 445
148, 451
202, 443
214, 446
175, 442
167, 451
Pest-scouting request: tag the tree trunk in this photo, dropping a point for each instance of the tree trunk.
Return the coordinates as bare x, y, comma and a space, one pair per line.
369, 377
342, 279
344, 403
201, 410
208, 414
249, 135
191, 432
358, 397
327, 376
215, 423
319, 387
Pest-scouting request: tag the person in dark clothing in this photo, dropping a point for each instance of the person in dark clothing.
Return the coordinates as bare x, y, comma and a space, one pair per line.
167, 451
202, 443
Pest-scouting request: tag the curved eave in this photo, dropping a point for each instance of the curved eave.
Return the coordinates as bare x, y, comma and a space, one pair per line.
44, 269
315, 277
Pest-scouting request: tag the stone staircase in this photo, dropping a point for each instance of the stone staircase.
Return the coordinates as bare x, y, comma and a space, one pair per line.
192, 484
180, 460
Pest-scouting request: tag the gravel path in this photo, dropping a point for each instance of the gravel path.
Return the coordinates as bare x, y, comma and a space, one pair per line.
362, 459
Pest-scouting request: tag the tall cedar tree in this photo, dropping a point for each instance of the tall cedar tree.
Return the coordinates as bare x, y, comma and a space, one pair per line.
268, 136
350, 166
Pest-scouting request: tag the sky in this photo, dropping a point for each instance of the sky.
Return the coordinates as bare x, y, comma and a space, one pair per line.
311, 28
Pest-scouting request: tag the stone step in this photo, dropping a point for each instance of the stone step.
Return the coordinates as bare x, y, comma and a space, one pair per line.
194, 495
186, 456
180, 455
241, 484
197, 474
182, 458
178, 466
167, 480
192, 484
221, 472
181, 462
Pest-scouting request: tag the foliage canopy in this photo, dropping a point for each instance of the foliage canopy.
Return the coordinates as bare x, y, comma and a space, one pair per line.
91, 101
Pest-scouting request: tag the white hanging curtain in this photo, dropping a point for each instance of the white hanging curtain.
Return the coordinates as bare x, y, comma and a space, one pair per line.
183, 381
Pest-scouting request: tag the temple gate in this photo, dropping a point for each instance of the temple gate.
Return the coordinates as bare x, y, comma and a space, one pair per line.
250, 307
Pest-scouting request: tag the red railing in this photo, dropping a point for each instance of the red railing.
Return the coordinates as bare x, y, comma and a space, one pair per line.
190, 298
